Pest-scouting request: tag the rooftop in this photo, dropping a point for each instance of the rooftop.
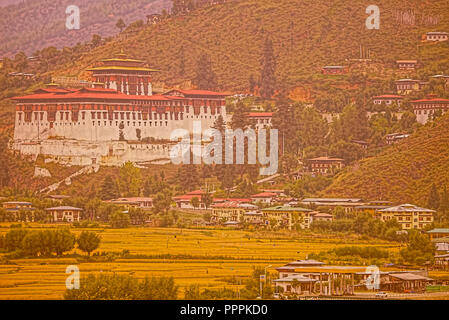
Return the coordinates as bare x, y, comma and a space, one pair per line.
439, 230
431, 100
325, 159
260, 114
17, 202
61, 208
264, 195
332, 200
406, 208
287, 208
409, 276
389, 96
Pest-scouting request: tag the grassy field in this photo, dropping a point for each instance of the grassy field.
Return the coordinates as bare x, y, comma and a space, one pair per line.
208, 257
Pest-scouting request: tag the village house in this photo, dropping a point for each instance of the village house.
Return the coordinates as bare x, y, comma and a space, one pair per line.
388, 99
373, 206
407, 86
64, 214
409, 216
324, 165
407, 64
311, 277
264, 198
22, 75
441, 77
321, 216
441, 261
436, 36
133, 202
361, 143
424, 109
406, 282
393, 138
239, 200
260, 120
334, 70
58, 197
253, 217
438, 233
185, 201
348, 204
230, 211
20, 210
316, 278
288, 217
441, 245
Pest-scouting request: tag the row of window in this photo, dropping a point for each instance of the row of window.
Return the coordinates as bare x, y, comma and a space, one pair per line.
105, 115
425, 111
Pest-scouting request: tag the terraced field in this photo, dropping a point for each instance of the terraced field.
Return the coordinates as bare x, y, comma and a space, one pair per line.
208, 257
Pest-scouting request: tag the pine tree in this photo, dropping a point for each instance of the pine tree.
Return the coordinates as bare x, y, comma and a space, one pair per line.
207, 200
444, 203
284, 121
147, 187
251, 84
240, 117
434, 198
109, 189
120, 24
182, 63
188, 177
220, 124
268, 77
205, 77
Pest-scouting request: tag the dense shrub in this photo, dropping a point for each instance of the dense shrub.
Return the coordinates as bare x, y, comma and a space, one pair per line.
38, 243
123, 287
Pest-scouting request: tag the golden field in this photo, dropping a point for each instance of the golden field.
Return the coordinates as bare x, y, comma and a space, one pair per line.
211, 258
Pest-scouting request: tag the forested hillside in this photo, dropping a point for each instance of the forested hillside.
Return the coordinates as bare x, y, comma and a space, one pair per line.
35, 24
306, 35
403, 172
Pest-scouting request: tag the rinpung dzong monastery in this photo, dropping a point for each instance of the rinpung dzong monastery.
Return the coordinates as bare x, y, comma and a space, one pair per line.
83, 126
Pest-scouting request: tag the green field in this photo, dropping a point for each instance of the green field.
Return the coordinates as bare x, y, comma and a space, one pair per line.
208, 257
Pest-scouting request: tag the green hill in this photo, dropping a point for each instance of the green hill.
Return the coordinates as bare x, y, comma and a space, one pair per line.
35, 24
401, 173
306, 35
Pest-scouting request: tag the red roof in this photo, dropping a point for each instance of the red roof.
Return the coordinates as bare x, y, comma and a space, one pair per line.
260, 114
228, 204
264, 195
197, 192
232, 199
190, 195
386, 96
187, 197
198, 92
325, 159
432, 100
101, 93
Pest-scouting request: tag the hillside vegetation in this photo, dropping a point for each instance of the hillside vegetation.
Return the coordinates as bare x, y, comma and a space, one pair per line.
35, 24
306, 35
401, 173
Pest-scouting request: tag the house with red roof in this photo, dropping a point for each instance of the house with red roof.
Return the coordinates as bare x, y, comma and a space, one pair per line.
185, 201
331, 70
387, 99
264, 197
260, 120
324, 165
407, 64
425, 109
230, 211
